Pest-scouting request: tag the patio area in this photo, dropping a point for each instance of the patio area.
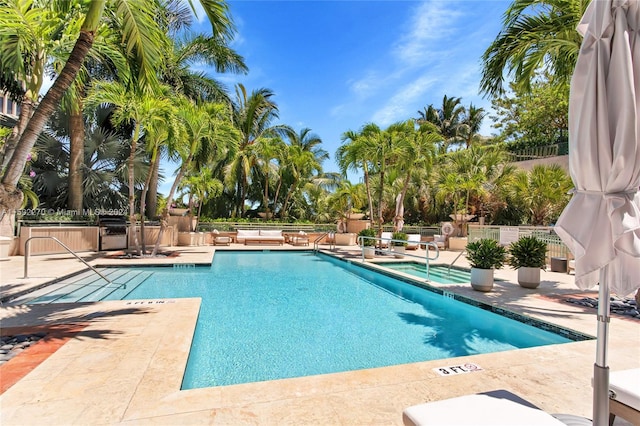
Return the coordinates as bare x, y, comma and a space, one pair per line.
121, 362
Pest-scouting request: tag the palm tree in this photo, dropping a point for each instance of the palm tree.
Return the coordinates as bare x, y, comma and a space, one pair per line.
145, 111
252, 117
200, 185
471, 123
416, 153
537, 34
447, 119
207, 132
30, 31
357, 153
471, 174
141, 34
542, 191
346, 198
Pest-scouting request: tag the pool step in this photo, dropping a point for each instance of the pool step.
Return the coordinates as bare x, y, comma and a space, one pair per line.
439, 274
89, 287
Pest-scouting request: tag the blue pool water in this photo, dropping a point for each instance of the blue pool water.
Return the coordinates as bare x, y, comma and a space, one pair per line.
272, 315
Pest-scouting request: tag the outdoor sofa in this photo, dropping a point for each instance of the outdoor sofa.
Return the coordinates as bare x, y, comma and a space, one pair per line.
260, 236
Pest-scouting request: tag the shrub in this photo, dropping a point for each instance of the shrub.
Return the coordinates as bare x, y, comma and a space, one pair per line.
486, 253
528, 251
369, 232
399, 236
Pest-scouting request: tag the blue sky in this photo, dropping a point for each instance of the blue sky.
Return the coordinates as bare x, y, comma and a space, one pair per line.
337, 65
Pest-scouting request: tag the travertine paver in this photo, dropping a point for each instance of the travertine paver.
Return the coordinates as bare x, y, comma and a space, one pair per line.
127, 364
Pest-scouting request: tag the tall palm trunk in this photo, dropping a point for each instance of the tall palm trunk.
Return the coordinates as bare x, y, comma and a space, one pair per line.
380, 198
265, 197
26, 109
143, 197
164, 220
10, 196
403, 194
132, 188
368, 188
152, 194
76, 155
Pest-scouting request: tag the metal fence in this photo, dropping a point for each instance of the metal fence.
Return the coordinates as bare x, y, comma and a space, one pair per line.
555, 247
537, 152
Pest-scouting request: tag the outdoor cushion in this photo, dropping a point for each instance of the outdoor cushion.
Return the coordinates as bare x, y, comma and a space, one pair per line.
625, 386
248, 233
494, 408
270, 233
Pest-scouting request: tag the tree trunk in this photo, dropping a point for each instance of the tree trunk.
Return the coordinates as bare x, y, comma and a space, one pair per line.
152, 194
164, 220
380, 197
403, 193
51, 100
46, 108
277, 194
26, 108
143, 197
132, 188
369, 196
76, 155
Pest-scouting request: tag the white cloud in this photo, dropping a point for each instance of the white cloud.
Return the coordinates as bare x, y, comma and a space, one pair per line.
432, 23
398, 107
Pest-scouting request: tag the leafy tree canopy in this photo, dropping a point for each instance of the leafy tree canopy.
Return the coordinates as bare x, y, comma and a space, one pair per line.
536, 117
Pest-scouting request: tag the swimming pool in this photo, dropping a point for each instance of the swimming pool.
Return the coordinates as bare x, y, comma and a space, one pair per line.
441, 274
273, 315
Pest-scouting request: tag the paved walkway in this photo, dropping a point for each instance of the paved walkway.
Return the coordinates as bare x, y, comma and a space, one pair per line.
124, 362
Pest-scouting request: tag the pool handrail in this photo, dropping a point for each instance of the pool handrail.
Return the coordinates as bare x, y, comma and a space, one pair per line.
427, 244
26, 256
454, 261
316, 242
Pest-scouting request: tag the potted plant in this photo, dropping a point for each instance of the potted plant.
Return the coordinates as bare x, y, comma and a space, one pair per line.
484, 255
368, 244
399, 246
528, 255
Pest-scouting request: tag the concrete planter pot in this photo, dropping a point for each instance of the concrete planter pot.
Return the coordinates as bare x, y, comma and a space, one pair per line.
399, 251
482, 279
529, 277
188, 238
369, 252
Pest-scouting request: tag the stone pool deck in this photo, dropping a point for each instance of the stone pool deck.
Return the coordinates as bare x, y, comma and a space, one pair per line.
121, 362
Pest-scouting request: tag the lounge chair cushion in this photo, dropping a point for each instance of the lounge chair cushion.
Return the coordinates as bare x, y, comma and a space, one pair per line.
494, 408
414, 241
248, 233
270, 233
625, 385
385, 237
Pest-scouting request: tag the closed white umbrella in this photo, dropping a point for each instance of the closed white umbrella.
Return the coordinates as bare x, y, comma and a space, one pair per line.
601, 223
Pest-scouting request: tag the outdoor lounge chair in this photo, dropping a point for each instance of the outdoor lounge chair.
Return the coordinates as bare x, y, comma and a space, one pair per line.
494, 408
624, 395
414, 241
384, 239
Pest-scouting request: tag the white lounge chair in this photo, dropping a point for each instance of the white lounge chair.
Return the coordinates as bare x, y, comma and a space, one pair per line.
624, 395
385, 237
414, 242
495, 408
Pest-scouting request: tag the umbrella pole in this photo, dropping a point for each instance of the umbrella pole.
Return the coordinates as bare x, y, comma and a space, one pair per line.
600, 368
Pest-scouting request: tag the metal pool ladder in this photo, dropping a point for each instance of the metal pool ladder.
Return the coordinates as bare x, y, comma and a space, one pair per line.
316, 242
437, 255
454, 261
27, 251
